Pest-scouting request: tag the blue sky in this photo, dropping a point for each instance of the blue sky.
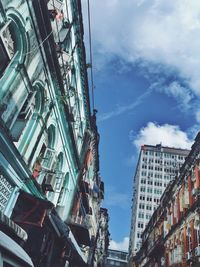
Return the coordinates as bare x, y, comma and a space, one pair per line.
146, 63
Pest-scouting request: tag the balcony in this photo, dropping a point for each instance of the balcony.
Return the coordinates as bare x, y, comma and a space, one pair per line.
59, 21
157, 246
79, 230
6, 190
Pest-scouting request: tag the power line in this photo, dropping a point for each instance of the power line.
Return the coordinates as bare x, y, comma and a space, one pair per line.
90, 53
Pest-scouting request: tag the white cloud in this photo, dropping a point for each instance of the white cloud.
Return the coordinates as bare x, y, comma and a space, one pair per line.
123, 245
168, 135
181, 94
152, 31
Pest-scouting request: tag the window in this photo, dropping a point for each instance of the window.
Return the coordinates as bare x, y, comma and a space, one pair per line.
63, 192
141, 206
148, 216
59, 173
144, 159
142, 189
148, 207
143, 181
143, 173
140, 225
12, 42
141, 215
142, 197
150, 174
7, 46
149, 190
23, 117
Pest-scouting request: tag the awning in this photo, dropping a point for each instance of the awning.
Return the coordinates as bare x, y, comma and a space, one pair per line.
72, 240
64, 232
59, 226
5, 222
30, 210
10, 245
80, 233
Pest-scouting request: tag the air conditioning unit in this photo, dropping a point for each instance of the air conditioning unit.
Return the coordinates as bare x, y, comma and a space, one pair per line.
194, 192
188, 256
50, 182
197, 251
88, 221
49, 159
193, 178
188, 231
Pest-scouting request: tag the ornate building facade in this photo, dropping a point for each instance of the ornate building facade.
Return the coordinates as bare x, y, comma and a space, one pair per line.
49, 160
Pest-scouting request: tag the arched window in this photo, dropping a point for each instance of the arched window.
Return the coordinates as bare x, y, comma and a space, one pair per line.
7, 46
39, 99
34, 106
58, 172
63, 192
13, 43
48, 158
24, 116
46, 165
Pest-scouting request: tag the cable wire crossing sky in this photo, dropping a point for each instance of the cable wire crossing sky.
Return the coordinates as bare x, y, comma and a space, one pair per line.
146, 61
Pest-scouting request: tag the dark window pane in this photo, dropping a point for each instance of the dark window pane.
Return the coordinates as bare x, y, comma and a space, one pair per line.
4, 59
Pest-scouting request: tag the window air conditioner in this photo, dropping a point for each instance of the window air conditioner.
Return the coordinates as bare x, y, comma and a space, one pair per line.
194, 192
88, 221
197, 251
49, 159
188, 256
188, 231
50, 182
193, 178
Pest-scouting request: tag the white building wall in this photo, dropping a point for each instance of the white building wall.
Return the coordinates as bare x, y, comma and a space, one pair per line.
156, 167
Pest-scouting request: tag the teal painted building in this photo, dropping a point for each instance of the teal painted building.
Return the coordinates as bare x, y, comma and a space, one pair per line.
49, 162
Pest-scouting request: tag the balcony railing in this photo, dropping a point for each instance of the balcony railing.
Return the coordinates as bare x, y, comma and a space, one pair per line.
6, 190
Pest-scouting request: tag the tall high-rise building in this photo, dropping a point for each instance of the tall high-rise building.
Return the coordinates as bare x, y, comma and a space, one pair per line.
156, 167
